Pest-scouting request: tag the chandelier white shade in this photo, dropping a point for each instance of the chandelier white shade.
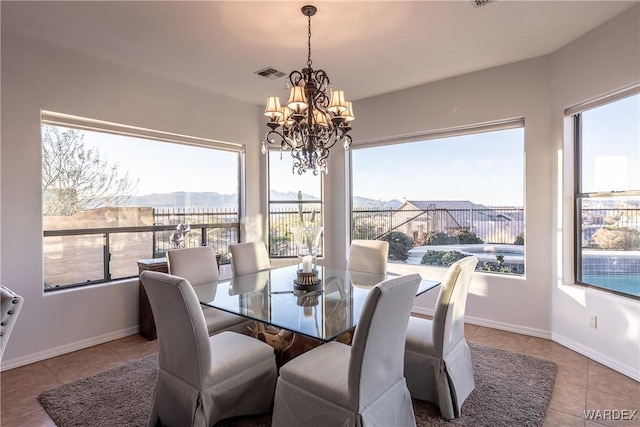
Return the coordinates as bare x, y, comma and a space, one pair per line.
314, 118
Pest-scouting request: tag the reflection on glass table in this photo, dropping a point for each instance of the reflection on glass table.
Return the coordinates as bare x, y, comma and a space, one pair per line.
269, 297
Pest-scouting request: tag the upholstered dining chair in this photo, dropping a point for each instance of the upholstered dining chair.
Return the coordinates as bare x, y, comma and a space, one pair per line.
203, 379
368, 256
358, 385
10, 305
437, 362
249, 258
199, 266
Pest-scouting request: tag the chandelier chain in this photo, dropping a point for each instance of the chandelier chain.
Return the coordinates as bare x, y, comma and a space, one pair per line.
309, 42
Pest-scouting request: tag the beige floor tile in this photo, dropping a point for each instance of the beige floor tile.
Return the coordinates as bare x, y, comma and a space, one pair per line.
557, 418
29, 376
79, 364
602, 378
545, 347
470, 330
500, 339
35, 419
133, 347
569, 398
575, 373
14, 405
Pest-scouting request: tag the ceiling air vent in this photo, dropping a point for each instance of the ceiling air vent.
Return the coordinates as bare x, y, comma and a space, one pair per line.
478, 3
270, 73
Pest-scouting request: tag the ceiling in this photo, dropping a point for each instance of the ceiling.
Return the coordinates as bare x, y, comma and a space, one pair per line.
366, 48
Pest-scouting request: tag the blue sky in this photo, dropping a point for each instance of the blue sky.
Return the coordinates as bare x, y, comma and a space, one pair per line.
485, 168
444, 169
165, 167
611, 141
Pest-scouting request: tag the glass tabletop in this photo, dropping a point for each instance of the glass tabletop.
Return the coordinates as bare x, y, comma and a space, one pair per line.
270, 297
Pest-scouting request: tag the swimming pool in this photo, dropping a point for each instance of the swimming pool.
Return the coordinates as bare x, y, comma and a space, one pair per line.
629, 284
492, 251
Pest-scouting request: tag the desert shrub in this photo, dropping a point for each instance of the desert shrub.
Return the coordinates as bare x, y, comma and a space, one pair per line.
620, 238
420, 238
497, 267
460, 236
519, 239
399, 245
436, 238
466, 237
441, 258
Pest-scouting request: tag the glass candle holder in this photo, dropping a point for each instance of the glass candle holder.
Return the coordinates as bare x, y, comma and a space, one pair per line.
307, 240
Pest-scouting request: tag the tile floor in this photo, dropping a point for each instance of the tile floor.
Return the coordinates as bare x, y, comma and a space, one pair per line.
580, 384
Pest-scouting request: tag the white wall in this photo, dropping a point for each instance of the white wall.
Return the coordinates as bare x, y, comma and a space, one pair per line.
545, 302
601, 62
36, 76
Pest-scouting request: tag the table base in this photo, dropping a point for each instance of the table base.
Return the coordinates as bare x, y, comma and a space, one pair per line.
287, 344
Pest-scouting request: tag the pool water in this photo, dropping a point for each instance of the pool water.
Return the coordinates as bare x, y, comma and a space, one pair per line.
495, 253
629, 284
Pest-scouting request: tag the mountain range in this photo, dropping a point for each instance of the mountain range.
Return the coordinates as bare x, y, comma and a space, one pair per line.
208, 199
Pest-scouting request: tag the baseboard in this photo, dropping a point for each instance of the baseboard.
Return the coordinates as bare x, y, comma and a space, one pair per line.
629, 371
509, 327
68, 348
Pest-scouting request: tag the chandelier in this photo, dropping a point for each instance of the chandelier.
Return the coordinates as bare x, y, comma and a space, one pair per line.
314, 119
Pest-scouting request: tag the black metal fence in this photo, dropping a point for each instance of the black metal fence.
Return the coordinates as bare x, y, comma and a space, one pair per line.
218, 228
492, 225
75, 256
283, 220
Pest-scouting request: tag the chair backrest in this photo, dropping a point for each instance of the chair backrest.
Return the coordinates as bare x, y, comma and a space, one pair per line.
249, 258
369, 256
10, 305
377, 351
448, 319
198, 265
183, 338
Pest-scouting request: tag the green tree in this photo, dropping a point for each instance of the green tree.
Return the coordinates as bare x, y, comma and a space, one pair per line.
76, 178
399, 245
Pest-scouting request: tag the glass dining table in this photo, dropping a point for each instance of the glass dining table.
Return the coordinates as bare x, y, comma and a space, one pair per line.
271, 298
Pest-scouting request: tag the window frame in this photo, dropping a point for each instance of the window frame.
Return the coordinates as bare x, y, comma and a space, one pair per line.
575, 113
292, 251
499, 125
110, 128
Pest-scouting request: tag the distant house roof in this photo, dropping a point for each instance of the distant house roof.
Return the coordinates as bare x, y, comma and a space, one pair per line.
441, 204
456, 209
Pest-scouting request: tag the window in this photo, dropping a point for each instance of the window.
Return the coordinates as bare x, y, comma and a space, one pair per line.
438, 198
607, 214
112, 195
294, 200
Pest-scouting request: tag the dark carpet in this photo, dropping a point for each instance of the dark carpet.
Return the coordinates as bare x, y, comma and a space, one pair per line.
512, 389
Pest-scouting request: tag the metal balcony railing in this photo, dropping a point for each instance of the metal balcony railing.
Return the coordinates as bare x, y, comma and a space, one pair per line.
84, 256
